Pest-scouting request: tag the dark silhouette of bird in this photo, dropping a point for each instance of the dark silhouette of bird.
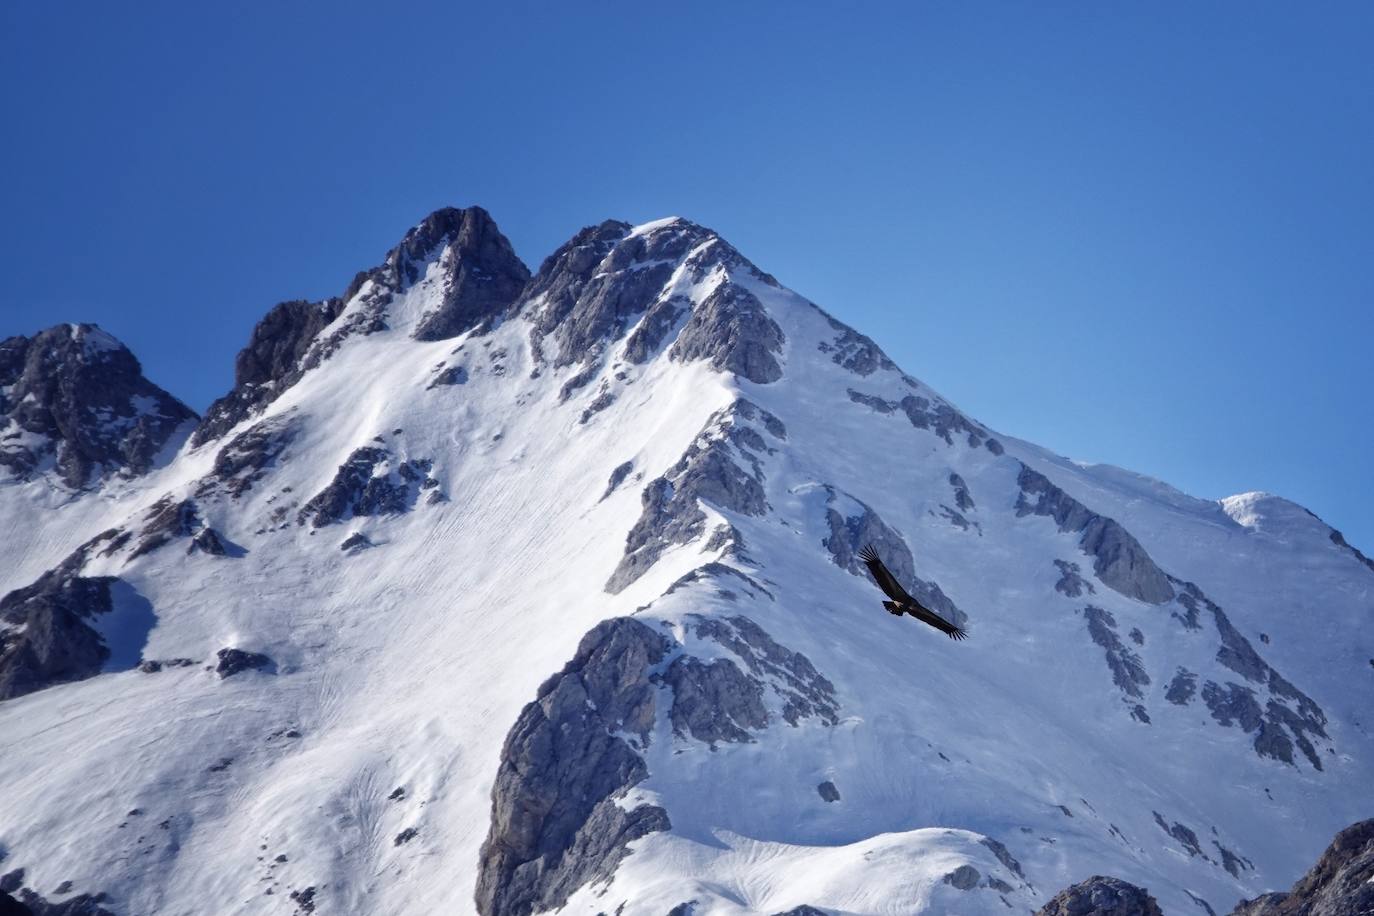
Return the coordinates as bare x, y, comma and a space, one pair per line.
902, 602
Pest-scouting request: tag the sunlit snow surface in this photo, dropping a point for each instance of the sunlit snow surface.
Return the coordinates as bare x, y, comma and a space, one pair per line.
404, 665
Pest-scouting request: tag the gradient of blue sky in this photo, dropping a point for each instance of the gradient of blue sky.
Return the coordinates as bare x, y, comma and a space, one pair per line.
1134, 233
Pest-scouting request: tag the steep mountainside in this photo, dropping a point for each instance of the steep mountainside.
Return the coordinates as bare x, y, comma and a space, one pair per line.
485, 591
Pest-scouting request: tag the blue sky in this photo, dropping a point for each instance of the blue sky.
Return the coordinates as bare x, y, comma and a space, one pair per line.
1140, 234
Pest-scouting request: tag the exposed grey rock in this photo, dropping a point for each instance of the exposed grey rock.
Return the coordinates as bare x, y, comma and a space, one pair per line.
49, 639
715, 701
1128, 672
936, 417
11, 907
449, 375
76, 395
247, 458
828, 791
604, 398
80, 905
718, 571
1119, 560
366, 485
1181, 688
1339, 540
1233, 863
652, 330
479, 274
849, 535
232, 661
11, 881
405, 836
1004, 856
1290, 716
355, 542
683, 909
962, 498
804, 690
1185, 837
555, 821
707, 472
480, 279
154, 665
965, 877
1341, 883
207, 541
618, 477
872, 402
1232, 705
958, 520
803, 910
1101, 896
1071, 581
269, 364
854, 351
167, 519
733, 331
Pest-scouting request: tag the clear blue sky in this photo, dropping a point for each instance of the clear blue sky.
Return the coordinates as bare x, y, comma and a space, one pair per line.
1134, 233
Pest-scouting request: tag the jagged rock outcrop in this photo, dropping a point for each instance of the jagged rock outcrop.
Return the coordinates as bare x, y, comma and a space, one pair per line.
733, 331
248, 457
270, 363
1269, 705
234, 661
854, 525
804, 691
45, 632
1118, 559
708, 471
1101, 896
75, 396
555, 821
715, 701
478, 274
610, 282
1340, 884
370, 482
934, 416
1128, 672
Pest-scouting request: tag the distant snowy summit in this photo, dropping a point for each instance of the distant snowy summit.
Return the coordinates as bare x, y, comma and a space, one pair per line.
506, 591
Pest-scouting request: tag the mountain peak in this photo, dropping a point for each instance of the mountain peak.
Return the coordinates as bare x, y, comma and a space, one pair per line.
75, 399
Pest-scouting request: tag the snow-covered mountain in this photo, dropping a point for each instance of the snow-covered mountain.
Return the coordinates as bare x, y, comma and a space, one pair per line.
485, 591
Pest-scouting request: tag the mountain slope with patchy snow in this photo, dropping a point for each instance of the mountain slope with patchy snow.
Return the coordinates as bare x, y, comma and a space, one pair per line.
493, 591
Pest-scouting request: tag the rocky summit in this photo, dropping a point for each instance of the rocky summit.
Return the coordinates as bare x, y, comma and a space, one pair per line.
504, 591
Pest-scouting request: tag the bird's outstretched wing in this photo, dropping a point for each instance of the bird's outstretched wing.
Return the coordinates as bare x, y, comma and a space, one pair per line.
927, 616
885, 580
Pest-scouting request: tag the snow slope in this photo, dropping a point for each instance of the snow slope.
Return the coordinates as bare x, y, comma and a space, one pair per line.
568, 460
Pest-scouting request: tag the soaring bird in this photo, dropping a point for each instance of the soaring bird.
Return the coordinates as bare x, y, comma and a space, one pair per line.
902, 602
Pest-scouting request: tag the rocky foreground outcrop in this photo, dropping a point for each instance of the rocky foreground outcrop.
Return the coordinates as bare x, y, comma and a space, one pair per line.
1340, 884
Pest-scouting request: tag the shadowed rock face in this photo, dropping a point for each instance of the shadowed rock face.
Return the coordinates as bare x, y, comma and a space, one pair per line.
76, 396
1340, 884
555, 821
269, 364
479, 275
708, 472
1119, 560
51, 641
1101, 896
367, 484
